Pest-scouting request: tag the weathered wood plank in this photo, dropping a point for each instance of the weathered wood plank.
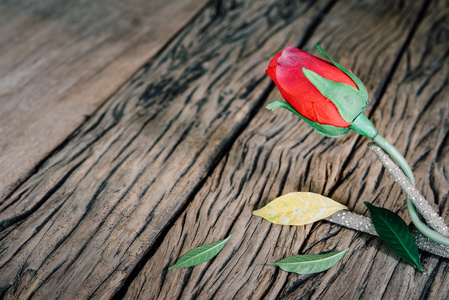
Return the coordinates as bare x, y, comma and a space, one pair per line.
60, 60
79, 226
278, 154
421, 110
415, 116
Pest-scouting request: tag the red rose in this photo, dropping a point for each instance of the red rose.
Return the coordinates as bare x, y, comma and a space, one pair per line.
286, 70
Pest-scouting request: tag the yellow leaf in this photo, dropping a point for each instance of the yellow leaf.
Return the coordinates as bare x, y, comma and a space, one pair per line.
298, 209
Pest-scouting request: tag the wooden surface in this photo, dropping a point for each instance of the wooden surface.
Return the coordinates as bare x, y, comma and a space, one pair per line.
183, 152
60, 60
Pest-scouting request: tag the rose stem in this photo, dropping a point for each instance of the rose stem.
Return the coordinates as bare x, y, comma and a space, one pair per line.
420, 202
363, 224
400, 160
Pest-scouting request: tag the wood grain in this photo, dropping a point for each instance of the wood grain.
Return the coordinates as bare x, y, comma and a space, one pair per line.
420, 94
60, 60
94, 209
406, 71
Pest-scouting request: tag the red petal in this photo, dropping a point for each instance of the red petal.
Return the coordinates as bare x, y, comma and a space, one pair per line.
273, 62
327, 113
296, 59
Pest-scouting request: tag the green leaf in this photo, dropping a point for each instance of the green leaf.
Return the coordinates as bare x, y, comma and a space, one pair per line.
354, 78
348, 100
309, 264
395, 233
201, 254
326, 130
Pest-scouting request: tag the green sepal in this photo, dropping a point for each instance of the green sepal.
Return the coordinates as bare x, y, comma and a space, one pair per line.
362, 125
326, 130
348, 100
354, 78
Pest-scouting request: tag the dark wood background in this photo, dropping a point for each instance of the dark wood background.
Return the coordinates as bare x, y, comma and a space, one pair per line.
132, 132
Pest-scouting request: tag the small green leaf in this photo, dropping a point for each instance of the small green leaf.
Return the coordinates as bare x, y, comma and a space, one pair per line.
395, 233
326, 130
310, 264
201, 254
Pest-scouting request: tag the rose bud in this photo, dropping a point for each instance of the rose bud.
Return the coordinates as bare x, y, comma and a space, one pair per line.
327, 96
